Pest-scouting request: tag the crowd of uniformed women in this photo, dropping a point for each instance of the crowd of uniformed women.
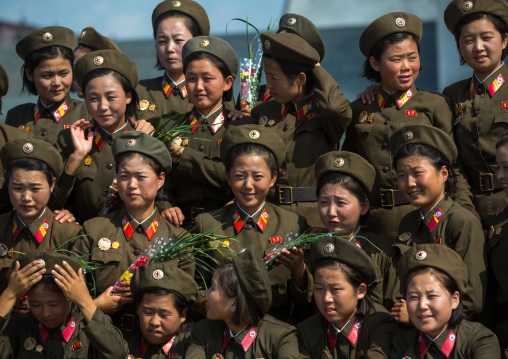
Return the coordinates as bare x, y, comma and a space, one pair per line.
405, 222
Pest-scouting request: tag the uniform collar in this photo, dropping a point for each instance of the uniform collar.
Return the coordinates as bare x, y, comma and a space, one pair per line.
491, 83
259, 219
100, 135
169, 86
297, 108
436, 214
214, 120
350, 332
37, 228
149, 226
65, 329
245, 337
55, 111
399, 98
444, 342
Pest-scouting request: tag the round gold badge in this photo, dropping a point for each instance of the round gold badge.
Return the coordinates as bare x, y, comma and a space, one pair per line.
98, 60
339, 162
404, 237
29, 344
408, 136
328, 248
41, 261
28, 148
130, 143
47, 37
158, 274
421, 255
176, 3
254, 134
291, 21
267, 44
400, 22
204, 43
468, 5
83, 33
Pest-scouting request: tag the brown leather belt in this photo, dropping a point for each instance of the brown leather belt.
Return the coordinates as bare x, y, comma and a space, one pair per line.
288, 194
485, 182
125, 322
192, 212
392, 197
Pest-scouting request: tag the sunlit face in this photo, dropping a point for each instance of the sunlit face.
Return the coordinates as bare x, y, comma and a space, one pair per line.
335, 298
429, 304
398, 66
48, 307
502, 166
339, 209
481, 46
52, 79
206, 85
218, 305
29, 192
158, 318
107, 102
250, 180
171, 35
138, 183
419, 181
282, 88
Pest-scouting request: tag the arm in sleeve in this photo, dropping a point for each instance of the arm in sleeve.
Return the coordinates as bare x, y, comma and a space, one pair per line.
381, 328
485, 345
288, 344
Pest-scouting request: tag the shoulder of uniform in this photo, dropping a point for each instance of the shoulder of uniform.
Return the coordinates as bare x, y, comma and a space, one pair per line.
148, 84
431, 94
99, 222
472, 328
265, 109
268, 319
311, 323
380, 241
457, 86
213, 217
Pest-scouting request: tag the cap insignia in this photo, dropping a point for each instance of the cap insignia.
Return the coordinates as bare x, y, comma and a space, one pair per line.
468, 5
131, 143
98, 60
421, 255
291, 21
267, 44
176, 3
400, 22
254, 134
328, 248
83, 33
204, 43
47, 37
339, 162
28, 147
408, 136
158, 274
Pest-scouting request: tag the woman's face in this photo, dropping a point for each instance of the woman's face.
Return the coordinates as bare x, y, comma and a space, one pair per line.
420, 182
48, 307
52, 79
335, 298
171, 35
339, 209
158, 318
107, 102
398, 66
282, 88
502, 166
481, 46
429, 304
250, 180
206, 85
29, 192
218, 305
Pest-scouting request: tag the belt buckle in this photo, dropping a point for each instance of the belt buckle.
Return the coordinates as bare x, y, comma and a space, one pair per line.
491, 177
383, 202
195, 211
125, 326
281, 200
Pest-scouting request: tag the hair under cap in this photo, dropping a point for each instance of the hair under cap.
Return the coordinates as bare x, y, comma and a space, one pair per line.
457, 10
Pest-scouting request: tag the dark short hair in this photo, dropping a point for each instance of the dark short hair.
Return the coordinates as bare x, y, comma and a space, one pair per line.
293, 69
379, 49
448, 284
502, 142
188, 21
34, 59
435, 157
245, 314
219, 64
48, 283
126, 86
254, 150
499, 25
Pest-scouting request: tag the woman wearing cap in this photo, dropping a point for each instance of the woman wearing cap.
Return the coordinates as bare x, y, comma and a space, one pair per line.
47, 72
435, 280
345, 181
108, 79
199, 183
422, 158
252, 156
31, 169
116, 240
348, 324
164, 297
308, 112
391, 45
63, 322
237, 325
480, 29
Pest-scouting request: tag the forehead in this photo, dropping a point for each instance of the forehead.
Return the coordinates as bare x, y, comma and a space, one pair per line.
160, 301
405, 46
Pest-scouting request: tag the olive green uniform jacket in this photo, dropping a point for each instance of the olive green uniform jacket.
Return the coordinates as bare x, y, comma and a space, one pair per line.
480, 120
198, 175
369, 337
274, 339
470, 340
279, 223
177, 351
96, 339
311, 127
46, 124
7, 133
369, 135
51, 233
458, 229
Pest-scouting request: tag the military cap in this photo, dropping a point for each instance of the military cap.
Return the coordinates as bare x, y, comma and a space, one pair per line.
427, 135
106, 59
254, 134
140, 142
215, 46
304, 28
459, 9
187, 7
436, 256
343, 251
45, 37
289, 47
35, 149
348, 163
48, 259
253, 278
4, 81
387, 25
165, 276
92, 39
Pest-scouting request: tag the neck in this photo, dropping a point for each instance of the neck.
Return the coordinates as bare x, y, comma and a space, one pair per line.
207, 111
235, 329
140, 214
427, 209
176, 76
115, 127
341, 324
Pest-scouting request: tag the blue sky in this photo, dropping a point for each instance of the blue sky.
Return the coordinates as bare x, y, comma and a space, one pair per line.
131, 19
